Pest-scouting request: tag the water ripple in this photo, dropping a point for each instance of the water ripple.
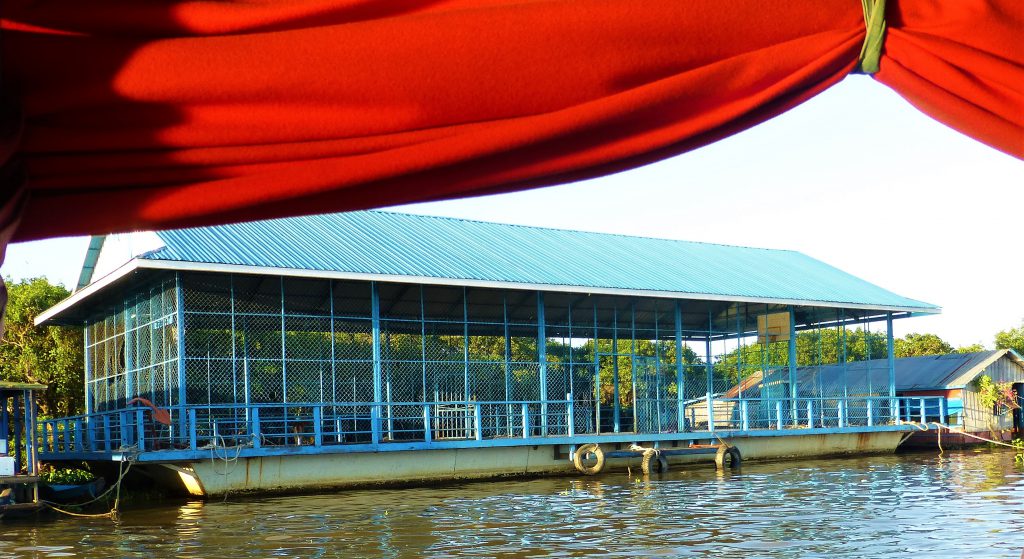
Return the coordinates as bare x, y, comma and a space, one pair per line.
958, 505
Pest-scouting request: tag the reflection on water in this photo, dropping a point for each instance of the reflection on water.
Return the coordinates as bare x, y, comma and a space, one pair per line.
959, 505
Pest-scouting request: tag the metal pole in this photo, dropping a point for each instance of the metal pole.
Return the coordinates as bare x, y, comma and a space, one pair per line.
234, 356
632, 362
597, 376
129, 357
89, 351
508, 365
709, 369
892, 366
334, 351
680, 376
465, 351
542, 356
794, 392
284, 354
616, 412
180, 314
377, 396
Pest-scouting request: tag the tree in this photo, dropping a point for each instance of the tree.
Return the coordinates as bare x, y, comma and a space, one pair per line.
973, 348
914, 345
1011, 339
50, 355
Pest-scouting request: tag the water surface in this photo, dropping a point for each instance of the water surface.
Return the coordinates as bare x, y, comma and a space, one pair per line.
968, 504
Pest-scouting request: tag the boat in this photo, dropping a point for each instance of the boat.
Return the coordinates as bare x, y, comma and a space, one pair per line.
66, 493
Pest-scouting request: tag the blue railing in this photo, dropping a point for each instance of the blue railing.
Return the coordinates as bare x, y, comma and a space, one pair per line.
744, 414
306, 424
367, 423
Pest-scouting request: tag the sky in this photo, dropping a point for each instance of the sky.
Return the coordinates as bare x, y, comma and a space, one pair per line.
856, 177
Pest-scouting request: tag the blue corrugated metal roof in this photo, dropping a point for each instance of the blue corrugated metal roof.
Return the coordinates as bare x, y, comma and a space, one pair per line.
388, 243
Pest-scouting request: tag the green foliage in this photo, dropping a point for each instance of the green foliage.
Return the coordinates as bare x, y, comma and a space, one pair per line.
986, 389
914, 345
1018, 449
826, 346
1011, 339
995, 395
66, 476
973, 348
50, 355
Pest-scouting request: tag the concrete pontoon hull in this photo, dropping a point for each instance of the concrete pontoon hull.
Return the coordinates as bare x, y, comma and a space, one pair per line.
308, 472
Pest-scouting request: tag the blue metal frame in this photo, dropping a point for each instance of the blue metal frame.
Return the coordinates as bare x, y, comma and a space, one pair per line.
261, 439
537, 420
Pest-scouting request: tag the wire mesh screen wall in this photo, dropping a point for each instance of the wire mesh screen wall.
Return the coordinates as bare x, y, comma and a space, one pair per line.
485, 362
132, 350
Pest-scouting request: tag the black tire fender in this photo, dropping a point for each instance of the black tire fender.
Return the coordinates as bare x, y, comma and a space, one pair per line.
735, 459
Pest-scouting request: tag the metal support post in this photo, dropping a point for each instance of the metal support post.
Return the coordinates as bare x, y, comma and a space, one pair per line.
570, 429
318, 435
284, 352
257, 435
78, 434
632, 362
680, 376
89, 352
711, 414
709, 369
106, 432
597, 377
377, 391
428, 436
478, 424
542, 350
180, 316
140, 425
793, 388
890, 344
616, 412
193, 442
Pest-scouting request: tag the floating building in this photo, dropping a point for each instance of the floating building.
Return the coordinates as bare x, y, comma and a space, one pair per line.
373, 347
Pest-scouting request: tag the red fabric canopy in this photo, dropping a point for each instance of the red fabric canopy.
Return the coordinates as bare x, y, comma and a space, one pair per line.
161, 114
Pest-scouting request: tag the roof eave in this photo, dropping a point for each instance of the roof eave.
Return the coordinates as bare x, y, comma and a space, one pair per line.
180, 265
86, 292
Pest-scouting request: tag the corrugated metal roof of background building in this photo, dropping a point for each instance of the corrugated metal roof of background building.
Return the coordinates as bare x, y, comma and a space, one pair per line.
927, 372
388, 243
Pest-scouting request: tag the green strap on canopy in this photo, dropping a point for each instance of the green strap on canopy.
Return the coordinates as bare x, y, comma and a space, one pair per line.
871, 50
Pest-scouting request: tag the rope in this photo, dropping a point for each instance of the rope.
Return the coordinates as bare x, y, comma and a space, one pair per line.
924, 427
874, 38
973, 436
225, 458
645, 464
113, 513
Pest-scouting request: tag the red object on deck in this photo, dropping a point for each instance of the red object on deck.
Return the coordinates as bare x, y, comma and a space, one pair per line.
122, 115
160, 415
